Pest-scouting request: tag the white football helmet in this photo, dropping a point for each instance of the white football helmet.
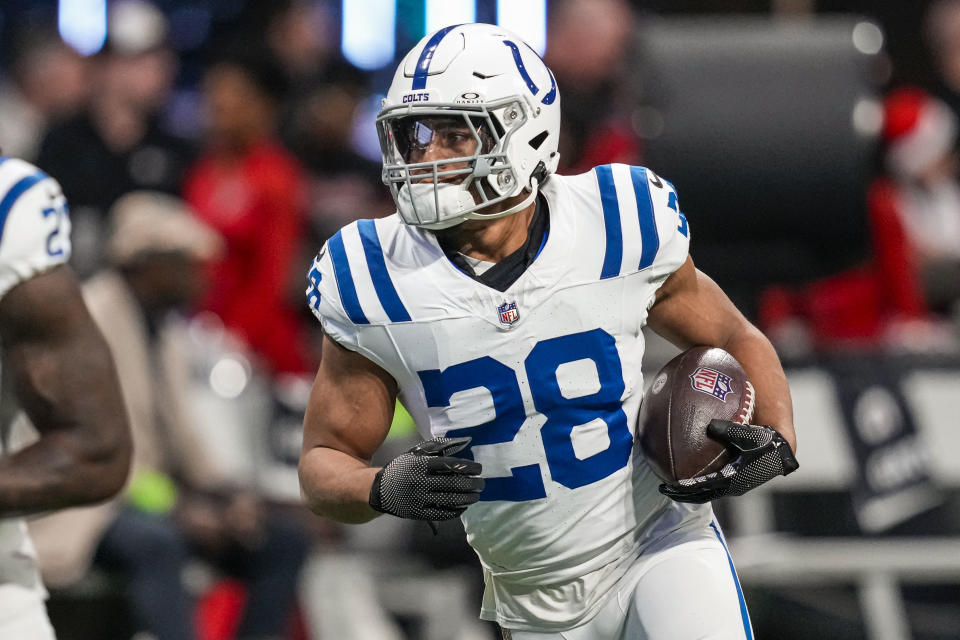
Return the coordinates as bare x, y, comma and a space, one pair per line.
487, 78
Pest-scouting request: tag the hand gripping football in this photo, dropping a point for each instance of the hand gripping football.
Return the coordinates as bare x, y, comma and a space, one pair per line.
697, 386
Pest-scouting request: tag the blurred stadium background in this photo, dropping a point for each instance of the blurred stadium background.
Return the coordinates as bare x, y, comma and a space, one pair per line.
813, 147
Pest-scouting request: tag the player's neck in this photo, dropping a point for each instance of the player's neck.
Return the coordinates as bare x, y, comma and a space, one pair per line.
490, 240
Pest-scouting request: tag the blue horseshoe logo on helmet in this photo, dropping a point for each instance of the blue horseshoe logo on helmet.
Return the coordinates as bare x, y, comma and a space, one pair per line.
552, 95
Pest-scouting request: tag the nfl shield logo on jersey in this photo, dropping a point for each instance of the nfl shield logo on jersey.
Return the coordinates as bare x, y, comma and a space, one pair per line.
508, 313
712, 382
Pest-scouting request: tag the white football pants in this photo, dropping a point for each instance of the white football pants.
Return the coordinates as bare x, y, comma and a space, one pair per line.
685, 592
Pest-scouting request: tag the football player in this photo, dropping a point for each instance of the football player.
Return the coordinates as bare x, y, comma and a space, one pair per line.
57, 368
504, 305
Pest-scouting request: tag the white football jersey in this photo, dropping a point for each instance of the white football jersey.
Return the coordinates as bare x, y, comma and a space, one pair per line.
34, 237
545, 378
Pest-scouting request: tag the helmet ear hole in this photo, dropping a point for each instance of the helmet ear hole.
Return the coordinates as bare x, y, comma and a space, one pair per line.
538, 139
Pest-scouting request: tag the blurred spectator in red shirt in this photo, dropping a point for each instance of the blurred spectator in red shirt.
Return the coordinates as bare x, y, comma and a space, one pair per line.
914, 213
587, 48
922, 161
251, 190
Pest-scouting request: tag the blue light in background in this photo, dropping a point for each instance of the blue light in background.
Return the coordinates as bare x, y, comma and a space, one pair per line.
527, 18
83, 24
442, 13
367, 32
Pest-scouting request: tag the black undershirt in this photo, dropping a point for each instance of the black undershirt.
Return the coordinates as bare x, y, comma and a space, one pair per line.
504, 273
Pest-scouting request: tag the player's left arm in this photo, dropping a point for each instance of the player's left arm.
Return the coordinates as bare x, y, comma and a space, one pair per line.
690, 309
65, 381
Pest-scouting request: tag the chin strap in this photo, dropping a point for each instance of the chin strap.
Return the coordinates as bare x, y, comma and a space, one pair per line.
523, 204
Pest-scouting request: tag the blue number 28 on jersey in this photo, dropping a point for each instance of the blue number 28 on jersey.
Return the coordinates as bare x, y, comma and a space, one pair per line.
562, 413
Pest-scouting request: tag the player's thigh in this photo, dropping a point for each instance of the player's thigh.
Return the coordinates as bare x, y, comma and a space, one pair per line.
30, 624
690, 593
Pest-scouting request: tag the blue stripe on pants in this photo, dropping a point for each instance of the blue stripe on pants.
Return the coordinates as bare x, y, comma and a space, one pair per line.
747, 629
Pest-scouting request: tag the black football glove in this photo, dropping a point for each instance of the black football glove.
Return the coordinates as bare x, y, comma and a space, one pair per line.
761, 454
426, 483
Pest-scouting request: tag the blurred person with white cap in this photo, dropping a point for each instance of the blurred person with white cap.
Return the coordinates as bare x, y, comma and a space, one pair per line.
178, 503
121, 134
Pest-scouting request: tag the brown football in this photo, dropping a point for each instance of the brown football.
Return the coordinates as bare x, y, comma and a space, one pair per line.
697, 386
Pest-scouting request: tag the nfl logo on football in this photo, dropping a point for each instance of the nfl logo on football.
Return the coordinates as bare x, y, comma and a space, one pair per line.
508, 313
712, 382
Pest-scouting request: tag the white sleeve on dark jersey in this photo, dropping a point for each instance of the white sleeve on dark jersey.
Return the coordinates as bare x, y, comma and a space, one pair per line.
34, 223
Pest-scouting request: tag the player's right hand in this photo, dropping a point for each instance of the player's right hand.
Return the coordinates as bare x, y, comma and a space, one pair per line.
427, 482
761, 453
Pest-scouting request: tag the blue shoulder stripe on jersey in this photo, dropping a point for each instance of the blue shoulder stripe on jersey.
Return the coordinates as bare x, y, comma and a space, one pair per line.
348, 291
17, 190
379, 274
611, 221
426, 56
649, 237
744, 615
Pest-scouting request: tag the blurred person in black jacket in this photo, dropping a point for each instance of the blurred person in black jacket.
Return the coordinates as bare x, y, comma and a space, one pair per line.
319, 115
119, 135
47, 82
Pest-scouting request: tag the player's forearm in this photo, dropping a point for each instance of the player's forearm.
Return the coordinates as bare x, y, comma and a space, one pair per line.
762, 365
336, 485
58, 472
69, 390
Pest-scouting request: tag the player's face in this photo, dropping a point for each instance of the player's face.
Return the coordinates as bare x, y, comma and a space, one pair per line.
435, 139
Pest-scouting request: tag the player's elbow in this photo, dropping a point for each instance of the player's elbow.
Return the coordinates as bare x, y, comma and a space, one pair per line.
115, 468
327, 503
99, 471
